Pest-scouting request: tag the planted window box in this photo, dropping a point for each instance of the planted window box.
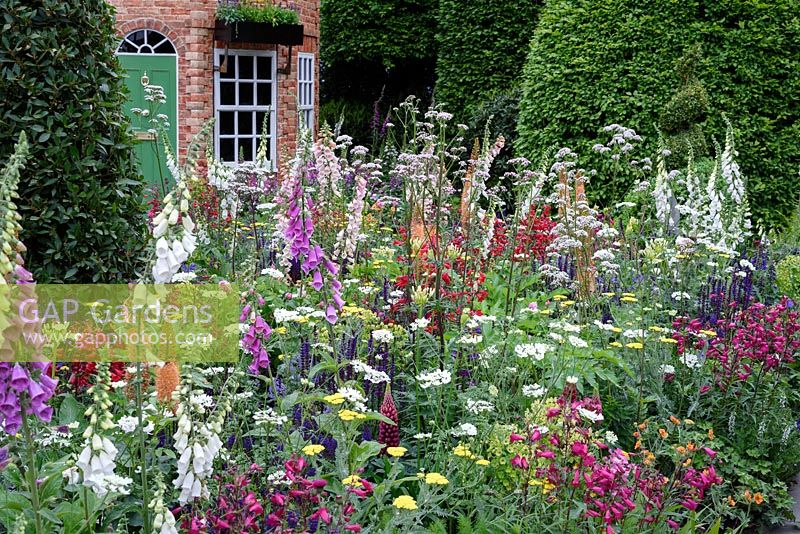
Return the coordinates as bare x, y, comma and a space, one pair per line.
246, 23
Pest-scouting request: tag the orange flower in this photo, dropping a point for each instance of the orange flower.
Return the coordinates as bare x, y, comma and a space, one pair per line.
731, 501
681, 449
637, 445
711, 433
687, 463
748, 496
663, 433
649, 458
758, 498
168, 378
636, 435
675, 420
691, 446
642, 426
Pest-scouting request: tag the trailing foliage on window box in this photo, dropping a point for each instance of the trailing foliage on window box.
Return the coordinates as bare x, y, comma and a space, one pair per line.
245, 23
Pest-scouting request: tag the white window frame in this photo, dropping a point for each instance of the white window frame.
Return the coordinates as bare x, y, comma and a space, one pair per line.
304, 107
272, 110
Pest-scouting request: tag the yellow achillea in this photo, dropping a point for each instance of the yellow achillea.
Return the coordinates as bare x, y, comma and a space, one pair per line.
405, 502
547, 487
353, 481
312, 450
397, 452
559, 297
482, 462
668, 340
464, 452
628, 299
635, 345
349, 415
436, 478
616, 344
336, 398
709, 333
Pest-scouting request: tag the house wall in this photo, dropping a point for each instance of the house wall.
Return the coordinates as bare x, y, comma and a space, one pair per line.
190, 26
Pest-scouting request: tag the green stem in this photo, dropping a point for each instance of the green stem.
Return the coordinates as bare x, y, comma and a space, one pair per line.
31, 473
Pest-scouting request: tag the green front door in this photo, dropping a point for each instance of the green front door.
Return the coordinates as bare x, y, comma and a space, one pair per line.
160, 70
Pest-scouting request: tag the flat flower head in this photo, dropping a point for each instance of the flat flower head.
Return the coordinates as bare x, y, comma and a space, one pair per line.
352, 481
405, 502
312, 450
396, 452
349, 415
482, 462
635, 345
436, 478
335, 399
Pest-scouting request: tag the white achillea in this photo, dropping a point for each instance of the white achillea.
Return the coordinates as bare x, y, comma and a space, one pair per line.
535, 351
273, 273
691, 361
434, 378
371, 374
464, 429
577, 342
470, 339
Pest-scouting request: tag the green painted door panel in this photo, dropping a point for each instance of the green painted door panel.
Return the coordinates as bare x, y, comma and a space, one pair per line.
161, 70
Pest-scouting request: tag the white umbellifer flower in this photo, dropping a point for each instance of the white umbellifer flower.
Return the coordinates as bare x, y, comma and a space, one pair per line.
183, 277
577, 342
667, 369
535, 351
423, 435
691, 361
270, 417
382, 336
351, 394
533, 390
434, 377
485, 318
556, 336
479, 406
464, 429
419, 324
201, 400
128, 423
571, 379
367, 290
284, 316
370, 374
635, 334
119, 384
590, 415
470, 339
611, 438
272, 273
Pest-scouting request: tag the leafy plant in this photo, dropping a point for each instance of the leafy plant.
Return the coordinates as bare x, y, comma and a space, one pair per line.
268, 13
80, 195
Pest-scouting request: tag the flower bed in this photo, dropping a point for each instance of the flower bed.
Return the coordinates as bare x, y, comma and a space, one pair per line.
417, 354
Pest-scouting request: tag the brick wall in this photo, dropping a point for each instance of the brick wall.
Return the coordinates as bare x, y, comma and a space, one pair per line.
190, 26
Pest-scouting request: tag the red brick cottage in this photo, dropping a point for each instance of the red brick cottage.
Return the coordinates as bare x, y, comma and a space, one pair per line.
175, 43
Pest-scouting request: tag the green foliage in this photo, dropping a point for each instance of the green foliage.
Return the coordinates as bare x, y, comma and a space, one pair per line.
383, 31
597, 63
787, 276
268, 13
482, 48
499, 113
374, 53
80, 196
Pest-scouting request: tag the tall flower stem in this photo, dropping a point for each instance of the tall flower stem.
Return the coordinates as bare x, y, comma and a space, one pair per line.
142, 450
31, 472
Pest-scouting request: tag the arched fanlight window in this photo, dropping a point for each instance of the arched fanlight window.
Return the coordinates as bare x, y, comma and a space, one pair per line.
146, 42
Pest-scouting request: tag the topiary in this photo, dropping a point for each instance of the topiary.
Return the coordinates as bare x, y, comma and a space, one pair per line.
595, 63
482, 46
80, 195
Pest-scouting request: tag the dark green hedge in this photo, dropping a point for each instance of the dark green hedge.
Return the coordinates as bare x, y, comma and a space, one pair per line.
374, 51
80, 193
595, 63
482, 49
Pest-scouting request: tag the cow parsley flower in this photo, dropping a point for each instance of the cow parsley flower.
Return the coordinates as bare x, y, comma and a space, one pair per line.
464, 429
479, 406
433, 378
